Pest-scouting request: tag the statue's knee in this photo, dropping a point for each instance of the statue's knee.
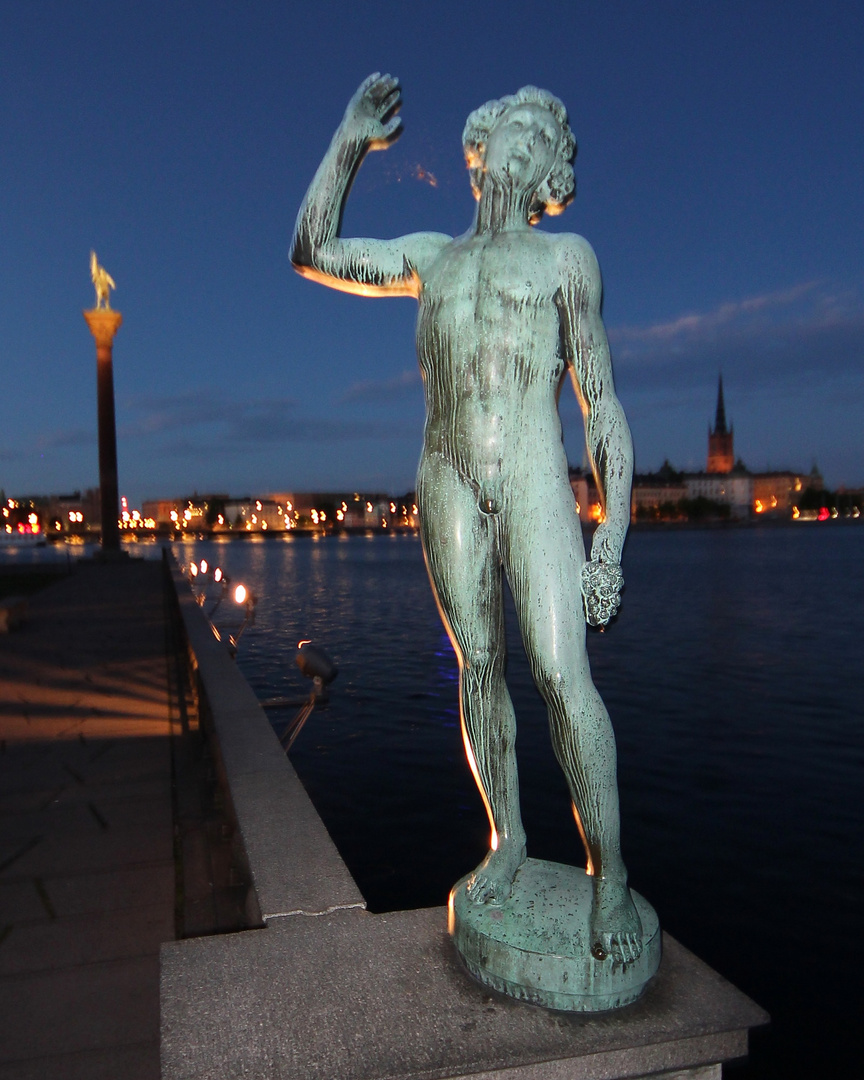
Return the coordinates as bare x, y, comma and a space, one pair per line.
551, 683
482, 662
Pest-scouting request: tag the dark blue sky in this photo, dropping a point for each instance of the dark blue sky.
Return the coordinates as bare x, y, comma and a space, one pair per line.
719, 179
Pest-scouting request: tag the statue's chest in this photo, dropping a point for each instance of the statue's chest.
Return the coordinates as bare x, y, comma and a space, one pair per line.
488, 290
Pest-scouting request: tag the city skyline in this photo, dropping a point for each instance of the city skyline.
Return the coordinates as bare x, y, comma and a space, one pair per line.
718, 176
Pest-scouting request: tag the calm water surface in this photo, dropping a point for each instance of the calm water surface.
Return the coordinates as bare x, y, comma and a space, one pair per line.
733, 677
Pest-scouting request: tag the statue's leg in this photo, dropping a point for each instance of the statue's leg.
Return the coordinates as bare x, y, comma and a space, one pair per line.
460, 546
544, 566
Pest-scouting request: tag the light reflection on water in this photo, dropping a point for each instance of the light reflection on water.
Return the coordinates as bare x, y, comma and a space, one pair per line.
733, 678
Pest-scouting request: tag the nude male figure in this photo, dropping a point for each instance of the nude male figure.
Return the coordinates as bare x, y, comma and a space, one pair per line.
506, 311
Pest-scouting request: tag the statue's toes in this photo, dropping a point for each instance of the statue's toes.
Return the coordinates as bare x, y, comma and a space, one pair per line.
629, 948
487, 889
480, 889
623, 948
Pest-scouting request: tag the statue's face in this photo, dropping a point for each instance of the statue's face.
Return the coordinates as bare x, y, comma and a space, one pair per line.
521, 147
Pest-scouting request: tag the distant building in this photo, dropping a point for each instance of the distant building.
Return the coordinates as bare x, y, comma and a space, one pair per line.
777, 492
164, 513
337, 509
257, 515
733, 488
653, 493
725, 481
584, 487
721, 452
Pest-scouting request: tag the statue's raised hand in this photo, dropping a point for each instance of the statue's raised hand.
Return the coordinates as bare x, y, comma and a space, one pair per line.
601, 590
371, 113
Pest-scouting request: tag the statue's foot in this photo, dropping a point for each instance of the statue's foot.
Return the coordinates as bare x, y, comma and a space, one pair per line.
616, 929
492, 881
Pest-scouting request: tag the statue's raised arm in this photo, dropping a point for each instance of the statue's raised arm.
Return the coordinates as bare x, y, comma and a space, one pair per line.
365, 266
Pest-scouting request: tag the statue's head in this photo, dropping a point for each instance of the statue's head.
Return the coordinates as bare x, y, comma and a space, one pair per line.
547, 113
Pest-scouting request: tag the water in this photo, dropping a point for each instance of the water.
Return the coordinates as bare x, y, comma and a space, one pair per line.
733, 678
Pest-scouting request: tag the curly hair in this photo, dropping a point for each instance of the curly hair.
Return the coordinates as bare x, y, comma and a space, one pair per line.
557, 190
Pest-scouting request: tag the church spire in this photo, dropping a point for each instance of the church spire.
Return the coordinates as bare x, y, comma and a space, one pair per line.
720, 419
721, 453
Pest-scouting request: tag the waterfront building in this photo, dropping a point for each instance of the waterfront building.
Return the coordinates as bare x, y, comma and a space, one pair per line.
257, 515
777, 492
658, 493
585, 493
733, 488
164, 513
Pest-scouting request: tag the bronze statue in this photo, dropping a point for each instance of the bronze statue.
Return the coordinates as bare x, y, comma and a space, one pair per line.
506, 312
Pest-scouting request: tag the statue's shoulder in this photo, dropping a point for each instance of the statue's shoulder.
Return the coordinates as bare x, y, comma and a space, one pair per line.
573, 252
425, 245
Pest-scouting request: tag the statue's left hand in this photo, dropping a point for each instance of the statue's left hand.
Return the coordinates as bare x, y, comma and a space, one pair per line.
606, 544
602, 583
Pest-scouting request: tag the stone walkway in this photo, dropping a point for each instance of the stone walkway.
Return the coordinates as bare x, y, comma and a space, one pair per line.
87, 884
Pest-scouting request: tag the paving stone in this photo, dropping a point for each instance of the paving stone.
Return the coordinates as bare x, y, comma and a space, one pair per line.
50, 944
16, 897
138, 1061
86, 828
112, 891
94, 849
87, 1007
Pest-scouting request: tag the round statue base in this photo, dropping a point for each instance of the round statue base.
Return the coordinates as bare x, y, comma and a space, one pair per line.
536, 947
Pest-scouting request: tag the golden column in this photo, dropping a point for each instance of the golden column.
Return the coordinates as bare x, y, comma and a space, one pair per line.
104, 323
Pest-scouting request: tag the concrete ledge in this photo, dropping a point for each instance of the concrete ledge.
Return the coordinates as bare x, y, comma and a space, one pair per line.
293, 863
363, 996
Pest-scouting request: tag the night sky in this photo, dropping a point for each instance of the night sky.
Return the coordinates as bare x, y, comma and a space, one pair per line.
719, 178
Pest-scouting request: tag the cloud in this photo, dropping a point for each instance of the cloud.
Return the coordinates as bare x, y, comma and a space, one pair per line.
806, 336
66, 439
383, 391
153, 414
705, 325
203, 424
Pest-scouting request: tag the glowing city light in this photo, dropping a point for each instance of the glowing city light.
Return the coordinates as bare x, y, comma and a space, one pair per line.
240, 594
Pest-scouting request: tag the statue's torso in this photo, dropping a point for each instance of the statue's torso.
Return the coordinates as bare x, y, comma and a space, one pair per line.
488, 341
